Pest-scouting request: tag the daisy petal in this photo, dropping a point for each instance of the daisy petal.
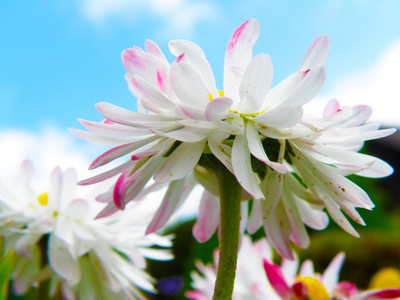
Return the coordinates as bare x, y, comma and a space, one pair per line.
217, 108
257, 149
152, 48
177, 192
238, 55
221, 151
188, 85
241, 163
181, 162
316, 54
276, 279
61, 261
208, 219
330, 278
277, 228
119, 151
197, 59
255, 84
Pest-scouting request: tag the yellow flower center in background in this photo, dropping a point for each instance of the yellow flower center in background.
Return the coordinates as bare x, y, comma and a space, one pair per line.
43, 199
316, 290
210, 97
385, 278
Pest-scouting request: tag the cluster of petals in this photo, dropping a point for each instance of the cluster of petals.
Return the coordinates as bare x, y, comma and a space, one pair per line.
80, 250
292, 166
291, 283
250, 280
182, 115
258, 278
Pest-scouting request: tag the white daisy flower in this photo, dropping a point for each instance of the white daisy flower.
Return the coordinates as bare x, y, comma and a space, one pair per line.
81, 251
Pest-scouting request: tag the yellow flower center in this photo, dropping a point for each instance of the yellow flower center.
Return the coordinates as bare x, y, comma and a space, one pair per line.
316, 290
385, 278
43, 199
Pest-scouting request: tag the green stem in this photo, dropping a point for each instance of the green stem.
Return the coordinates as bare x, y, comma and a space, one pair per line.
230, 194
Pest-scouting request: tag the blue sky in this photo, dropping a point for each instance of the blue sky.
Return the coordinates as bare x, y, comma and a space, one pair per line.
58, 58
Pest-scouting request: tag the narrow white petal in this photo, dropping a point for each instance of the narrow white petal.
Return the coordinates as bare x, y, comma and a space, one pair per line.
277, 229
195, 57
241, 163
61, 261
256, 148
208, 219
181, 162
171, 202
316, 54
238, 55
221, 151
281, 117
330, 277
308, 87
217, 108
188, 85
255, 84
255, 219
186, 134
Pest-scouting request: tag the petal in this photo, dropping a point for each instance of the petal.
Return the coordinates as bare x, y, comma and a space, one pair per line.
308, 87
238, 55
127, 117
208, 219
277, 229
339, 218
255, 219
241, 163
181, 162
25, 244
277, 280
177, 192
151, 68
185, 111
272, 191
107, 174
119, 151
152, 48
197, 59
313, 218
281, 91
257, 149
61, 261
281, 117
316, 54
188, 85
331, 108
380, 294
298, 232
307, 269
217, 108
108, 210
185, 134
255, 84
154, 95
330, 277
221, 151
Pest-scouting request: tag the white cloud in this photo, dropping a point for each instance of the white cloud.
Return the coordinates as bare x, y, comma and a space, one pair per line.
179, 16
377, 85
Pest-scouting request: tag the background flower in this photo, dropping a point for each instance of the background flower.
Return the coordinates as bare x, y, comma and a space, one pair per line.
80, 250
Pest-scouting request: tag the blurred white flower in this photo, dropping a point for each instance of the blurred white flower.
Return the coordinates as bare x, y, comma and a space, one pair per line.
80, 250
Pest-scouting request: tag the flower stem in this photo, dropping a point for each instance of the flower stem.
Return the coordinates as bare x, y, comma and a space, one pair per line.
230, 194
